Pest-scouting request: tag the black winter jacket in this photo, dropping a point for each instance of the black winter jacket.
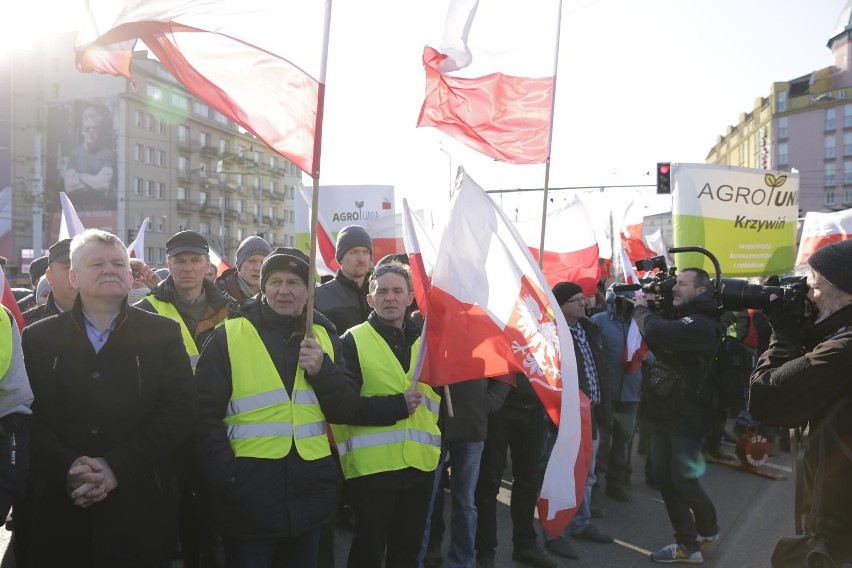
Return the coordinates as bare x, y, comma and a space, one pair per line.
133, 404
38, 313
343, 302
687, 344
269, 498
601, 412
805, 381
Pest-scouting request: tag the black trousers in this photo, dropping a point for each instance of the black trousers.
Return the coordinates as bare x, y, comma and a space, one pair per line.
523, 431
389, 522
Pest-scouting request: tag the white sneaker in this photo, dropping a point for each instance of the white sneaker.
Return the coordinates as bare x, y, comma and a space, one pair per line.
677, 553
706, 542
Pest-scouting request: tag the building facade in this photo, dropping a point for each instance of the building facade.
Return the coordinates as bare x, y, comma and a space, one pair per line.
803, 124
123, 153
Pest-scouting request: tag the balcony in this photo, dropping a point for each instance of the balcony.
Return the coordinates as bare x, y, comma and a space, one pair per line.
210, 209
231, 214
210, 151
188, 145
191, 206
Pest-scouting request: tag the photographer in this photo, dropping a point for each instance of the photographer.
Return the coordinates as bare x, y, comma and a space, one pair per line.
678, 406
802, 381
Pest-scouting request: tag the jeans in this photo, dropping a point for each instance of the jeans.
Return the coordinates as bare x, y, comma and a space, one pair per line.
464, 459
623, 426
677, 464
298, 552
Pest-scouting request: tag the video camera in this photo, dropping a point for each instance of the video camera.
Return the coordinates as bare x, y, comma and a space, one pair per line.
729, 293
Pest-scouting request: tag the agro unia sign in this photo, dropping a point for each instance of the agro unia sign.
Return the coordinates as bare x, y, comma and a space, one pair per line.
342, 205
745, 217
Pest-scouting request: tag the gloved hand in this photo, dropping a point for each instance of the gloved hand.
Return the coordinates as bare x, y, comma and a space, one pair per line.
782, 322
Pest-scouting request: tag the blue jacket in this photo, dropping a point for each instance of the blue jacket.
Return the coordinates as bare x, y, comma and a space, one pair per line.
625, 386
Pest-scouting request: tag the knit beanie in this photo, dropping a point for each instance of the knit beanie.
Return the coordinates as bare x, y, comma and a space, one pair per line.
42, 286
352, 236
251, 246
834, 263
564, 291
294, 261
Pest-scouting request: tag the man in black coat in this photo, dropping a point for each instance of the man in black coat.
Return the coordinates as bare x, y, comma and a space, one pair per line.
114, 400
679, 405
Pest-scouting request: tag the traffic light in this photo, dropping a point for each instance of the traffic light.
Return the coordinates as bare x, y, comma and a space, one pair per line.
664, 177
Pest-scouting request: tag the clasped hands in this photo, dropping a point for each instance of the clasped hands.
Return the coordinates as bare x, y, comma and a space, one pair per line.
89, 481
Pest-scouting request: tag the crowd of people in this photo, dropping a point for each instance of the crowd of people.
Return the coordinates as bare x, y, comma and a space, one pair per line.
152, 415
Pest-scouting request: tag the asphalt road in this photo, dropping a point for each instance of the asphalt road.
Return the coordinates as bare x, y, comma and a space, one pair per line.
753, 513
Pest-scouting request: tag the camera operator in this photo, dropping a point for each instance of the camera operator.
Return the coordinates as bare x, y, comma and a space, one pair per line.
803, 380
678, 406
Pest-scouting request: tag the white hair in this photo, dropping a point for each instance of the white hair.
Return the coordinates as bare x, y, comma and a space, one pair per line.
79, 242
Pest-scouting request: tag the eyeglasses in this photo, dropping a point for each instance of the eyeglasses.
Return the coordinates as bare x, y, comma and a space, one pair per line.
392, 268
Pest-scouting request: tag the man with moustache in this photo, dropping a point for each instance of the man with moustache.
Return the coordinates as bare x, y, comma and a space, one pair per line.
114, 401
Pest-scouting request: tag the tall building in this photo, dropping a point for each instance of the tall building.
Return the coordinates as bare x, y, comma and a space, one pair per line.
123, 153
804, 123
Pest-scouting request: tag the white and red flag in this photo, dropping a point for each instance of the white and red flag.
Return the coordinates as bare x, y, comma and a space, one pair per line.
821, 229
570, 245
8, 300
221, 264
137, 247
231, 54
635, 348
631, 234
490, 313
326, 261
490, 82
421, 256
69, 225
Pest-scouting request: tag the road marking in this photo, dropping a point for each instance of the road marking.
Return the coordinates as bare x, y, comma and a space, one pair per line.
633, 547
780, 467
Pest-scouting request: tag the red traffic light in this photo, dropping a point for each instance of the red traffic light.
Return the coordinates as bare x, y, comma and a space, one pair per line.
665, 168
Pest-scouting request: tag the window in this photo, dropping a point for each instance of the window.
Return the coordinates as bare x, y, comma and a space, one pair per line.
782, 127
829, 198
204, 227
847, 172
224, 146
150, 122
830, 174
161, 158
270, 237
161, 190
257, 183
847, 197
149, 188
182, 225
138, 151
149, 252
180, 101
137, 117
150, 226
257, 209
149, 155
137, 186
203, 139
182, 194
781, 101
847, 116
273, 187
183, 133
847, 144
202, 197
219, 117
829, 151
830, 118
161, 224
272, 213
201, 109
161, 255
241, 206
154, 92
292, 217
161, 127
241, 179
782, 154
241, 234
273, 162
183, 164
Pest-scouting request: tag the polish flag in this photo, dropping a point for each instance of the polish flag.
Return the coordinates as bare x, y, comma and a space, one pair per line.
69, 225
386, 232
821, 229
490, 313
9, 300
421, 256
491, 83
635, 348
326, 261
570, 246
631, 234
137, 247
231, 54
221, 264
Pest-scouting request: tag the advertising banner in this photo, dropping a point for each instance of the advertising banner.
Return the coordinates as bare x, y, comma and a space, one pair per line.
6, 127
745, 217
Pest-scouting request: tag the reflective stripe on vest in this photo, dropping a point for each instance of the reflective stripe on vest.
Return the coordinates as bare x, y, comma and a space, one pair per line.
5, 342
412, 442
170, 311
262, 420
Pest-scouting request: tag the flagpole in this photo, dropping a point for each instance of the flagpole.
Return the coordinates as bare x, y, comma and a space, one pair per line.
550, 139
312, 255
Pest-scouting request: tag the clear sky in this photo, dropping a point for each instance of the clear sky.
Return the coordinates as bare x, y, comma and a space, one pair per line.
639, 81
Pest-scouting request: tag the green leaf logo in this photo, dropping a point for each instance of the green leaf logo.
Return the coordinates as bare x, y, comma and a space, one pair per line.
359, 204
773, 181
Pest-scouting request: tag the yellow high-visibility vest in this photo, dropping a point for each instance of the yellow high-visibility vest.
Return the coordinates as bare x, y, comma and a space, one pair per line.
262, 420
170, 311
411, 442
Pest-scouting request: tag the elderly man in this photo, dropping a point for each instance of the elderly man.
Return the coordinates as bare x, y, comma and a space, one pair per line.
266, 392
390, 449
114, 400
243, 282
802, 381
62, 294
